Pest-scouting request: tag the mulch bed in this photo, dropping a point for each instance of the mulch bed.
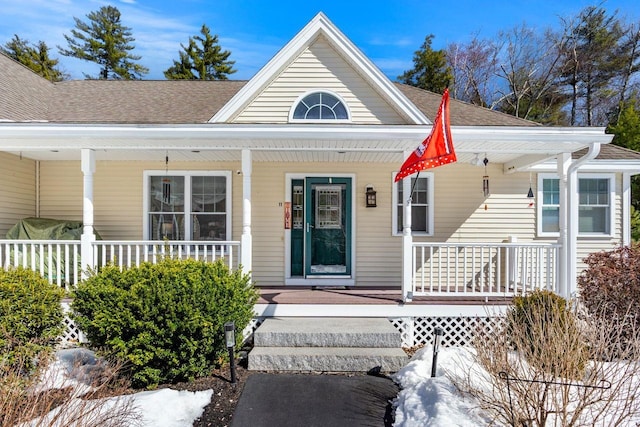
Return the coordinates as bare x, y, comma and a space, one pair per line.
219, 412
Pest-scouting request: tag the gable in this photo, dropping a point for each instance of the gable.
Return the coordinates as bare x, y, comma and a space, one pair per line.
319, 67
328, 51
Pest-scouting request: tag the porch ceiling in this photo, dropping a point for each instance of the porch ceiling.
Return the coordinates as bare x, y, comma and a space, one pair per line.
270, 143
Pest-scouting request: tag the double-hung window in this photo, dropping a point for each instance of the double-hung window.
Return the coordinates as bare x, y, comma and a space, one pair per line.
595, 204
421, 205
187, 205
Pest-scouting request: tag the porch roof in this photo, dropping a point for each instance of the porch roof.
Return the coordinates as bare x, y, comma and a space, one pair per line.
299, 143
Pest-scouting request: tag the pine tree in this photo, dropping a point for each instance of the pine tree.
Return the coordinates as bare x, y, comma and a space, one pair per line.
430, 70
627, 129
36, 57
590, 61
108, 43
627, 134
202, 59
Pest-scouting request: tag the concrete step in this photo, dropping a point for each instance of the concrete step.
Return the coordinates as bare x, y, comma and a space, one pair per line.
332, 359
327, 332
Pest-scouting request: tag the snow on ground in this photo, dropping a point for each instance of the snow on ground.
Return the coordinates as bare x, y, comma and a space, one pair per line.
434, 402
171, 408
422, 402
156, 408
430, 402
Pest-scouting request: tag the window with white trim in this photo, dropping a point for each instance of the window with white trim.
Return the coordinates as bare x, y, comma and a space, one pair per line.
319, 106
595, 204
421, 206
187, 205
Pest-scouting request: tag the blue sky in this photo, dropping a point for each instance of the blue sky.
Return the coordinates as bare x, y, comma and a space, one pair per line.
388, 32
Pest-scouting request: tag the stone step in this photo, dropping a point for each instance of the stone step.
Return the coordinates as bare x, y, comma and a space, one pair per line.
333, 359
327, 332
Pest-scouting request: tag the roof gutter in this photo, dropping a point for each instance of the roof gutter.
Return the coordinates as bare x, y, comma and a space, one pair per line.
594, 150
570, 246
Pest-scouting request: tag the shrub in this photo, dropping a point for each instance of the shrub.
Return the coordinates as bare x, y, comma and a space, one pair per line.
634, 219
545, 330
610, 285
43, 400
30, 316
513, 391
165, 320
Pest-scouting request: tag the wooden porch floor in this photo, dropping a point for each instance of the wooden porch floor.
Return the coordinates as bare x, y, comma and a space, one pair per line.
364, 296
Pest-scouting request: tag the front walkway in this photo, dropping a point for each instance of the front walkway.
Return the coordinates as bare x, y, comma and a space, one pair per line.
315, 400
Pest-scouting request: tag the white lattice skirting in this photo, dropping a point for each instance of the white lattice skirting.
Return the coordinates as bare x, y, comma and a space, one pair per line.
71, 335
415, 331
458, 331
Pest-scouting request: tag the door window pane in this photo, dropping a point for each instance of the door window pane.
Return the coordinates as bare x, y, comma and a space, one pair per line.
328, 206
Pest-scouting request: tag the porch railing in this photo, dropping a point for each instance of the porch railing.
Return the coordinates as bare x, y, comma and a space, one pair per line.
60, 262
132, 253
56, 260
483, 269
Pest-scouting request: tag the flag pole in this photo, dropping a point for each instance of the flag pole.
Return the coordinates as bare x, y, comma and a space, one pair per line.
413, 187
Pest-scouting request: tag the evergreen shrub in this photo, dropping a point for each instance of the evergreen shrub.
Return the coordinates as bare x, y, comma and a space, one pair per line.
30, 317
165, 320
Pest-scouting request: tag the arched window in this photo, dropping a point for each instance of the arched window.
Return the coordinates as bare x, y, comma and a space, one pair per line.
320, 106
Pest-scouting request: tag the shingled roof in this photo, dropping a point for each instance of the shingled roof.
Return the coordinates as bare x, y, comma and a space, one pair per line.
460, 113
610, 152
28, 97
140, 101
25, 95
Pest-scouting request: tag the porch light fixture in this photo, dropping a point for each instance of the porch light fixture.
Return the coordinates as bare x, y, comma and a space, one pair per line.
370, 194
230, 339
437, 339
530, 193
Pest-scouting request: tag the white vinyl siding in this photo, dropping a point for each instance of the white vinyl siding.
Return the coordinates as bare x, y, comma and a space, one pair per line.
18, 190
319, 68
61, 190
118, 194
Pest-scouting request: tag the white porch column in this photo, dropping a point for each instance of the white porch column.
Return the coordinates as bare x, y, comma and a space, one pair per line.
564, 160
573, 218
626, 209
246, 246
572, 232
88, 165
407, 240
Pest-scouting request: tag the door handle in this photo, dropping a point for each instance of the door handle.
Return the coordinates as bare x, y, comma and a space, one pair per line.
309, 226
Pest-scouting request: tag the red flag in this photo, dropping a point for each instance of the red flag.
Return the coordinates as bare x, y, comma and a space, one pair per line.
437, 149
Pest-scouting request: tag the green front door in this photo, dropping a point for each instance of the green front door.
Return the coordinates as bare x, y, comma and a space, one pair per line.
328, 227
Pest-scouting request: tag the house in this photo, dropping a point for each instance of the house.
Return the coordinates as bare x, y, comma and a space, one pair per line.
290, 175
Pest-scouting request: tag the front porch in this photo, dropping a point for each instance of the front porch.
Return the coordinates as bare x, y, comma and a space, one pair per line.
441, 273
458, 287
